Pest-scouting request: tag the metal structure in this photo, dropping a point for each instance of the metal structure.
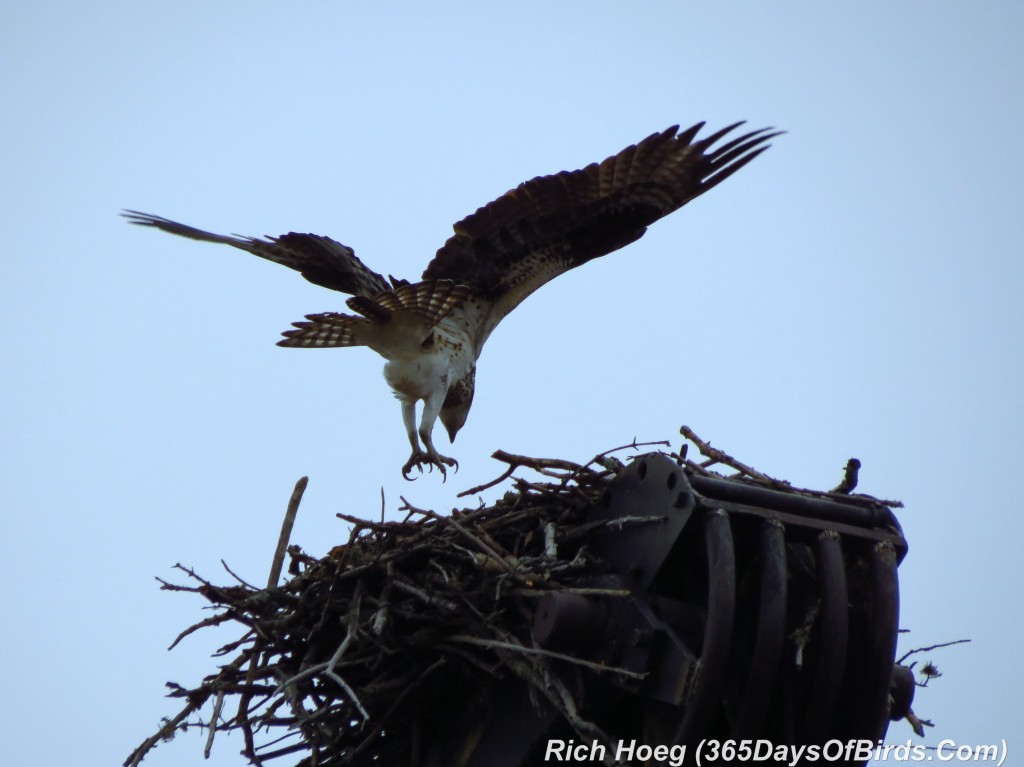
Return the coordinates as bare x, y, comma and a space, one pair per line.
753, 614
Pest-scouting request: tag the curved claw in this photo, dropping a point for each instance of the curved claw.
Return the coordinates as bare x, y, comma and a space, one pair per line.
442, 461
419, 459
416, 460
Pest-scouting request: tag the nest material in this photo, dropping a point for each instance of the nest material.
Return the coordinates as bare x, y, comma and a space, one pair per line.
357, 653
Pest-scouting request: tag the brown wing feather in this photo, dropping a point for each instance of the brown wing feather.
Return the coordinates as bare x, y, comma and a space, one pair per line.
329, 329
550, 224
321, 260
429, 302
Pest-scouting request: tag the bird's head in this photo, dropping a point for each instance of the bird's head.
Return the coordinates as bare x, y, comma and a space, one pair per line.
454, 418
455, 409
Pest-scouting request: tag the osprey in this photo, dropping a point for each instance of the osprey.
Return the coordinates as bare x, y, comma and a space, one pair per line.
431, 332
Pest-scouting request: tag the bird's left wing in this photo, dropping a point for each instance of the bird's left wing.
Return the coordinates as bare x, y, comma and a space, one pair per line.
551, 224
320, 260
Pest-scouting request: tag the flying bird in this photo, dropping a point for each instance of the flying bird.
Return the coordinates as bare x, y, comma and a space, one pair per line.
431, 332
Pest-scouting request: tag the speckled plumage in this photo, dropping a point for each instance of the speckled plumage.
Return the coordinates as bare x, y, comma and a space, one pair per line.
432, 332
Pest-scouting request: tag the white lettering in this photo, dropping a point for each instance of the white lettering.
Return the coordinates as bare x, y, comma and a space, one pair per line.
571, 751
940, 750
832, 750
554, 750
624, 751
765, 754
797, 752
986, 753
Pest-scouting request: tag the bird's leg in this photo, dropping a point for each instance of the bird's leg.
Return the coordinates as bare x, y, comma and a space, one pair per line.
409, 419
418, 457
429, 457
431, 408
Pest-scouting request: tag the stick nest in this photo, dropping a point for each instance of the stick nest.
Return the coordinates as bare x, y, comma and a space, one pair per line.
360, 651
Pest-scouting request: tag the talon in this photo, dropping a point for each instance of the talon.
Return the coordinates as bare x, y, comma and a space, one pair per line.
419, 459
416, 461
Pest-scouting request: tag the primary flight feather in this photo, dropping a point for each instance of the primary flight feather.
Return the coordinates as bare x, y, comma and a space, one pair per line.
431, 332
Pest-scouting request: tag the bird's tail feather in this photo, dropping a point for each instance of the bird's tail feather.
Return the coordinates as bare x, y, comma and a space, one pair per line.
324, 330
430, 301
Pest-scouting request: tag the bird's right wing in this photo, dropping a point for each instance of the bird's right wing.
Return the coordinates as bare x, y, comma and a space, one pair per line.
319, 259
546, 226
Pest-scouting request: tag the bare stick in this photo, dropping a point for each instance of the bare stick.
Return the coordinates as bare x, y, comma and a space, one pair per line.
570, 590
419, 593
237, 577
286, 531
468, 535
166, 732
480, 488
258, 646
932, 647
551, 688
604, 459
214, 620
602, 669
541, 465
550, 545
394, 707
213, 724
720, 456
535, 463
327, 669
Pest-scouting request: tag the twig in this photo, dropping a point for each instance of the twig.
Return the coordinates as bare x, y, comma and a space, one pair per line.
931, 648
327, 669
258, 646
543, 466
598, 592
621, 522
537, 464
486, 485
166, 731
196, 700
394, 707
423, 596
237, 577
215, 620
468, 536
602, 669
286, 531
720, 456
600, 458
213, 724
550, 545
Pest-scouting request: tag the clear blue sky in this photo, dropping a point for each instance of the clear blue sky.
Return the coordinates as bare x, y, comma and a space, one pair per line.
856, 291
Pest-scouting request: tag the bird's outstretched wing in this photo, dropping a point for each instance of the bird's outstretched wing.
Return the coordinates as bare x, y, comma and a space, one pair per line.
321, 260
551, 224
